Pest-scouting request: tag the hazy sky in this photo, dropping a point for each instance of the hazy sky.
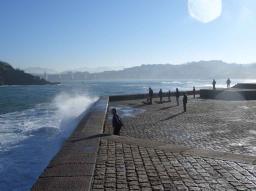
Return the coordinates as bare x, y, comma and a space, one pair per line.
65, 34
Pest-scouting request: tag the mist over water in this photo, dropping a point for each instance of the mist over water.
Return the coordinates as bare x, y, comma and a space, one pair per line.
36, 120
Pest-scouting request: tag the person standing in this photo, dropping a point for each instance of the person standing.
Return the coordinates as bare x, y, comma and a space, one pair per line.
116, 122
169, 96
177, 95
161, 95
150, 95
185, 101
228, 83
213, 84
194, 92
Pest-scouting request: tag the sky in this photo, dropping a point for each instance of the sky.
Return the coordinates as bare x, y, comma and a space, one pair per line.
64, 34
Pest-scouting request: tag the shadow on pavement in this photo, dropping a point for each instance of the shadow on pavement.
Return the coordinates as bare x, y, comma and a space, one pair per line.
172, 116
164, 108
90, 137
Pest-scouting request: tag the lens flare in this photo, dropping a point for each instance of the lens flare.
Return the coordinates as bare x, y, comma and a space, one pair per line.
205, 10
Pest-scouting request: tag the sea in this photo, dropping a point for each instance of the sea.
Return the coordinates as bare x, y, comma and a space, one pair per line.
36, 120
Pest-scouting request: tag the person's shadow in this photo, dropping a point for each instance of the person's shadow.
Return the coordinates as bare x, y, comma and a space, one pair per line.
168, 107
172, 116
90, 137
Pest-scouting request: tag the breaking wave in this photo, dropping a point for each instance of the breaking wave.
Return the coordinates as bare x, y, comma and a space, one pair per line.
30, 138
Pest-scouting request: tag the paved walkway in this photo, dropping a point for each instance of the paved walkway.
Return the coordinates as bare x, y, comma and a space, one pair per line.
211, 147
228, 126
124, 164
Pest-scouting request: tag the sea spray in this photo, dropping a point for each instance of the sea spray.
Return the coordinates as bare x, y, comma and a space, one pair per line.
31, 137
71, 108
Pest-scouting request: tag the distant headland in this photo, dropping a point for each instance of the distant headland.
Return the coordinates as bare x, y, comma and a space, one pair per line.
192, 70
11, 76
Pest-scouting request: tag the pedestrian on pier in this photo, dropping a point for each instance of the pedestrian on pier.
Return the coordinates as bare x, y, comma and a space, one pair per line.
228, 83
116, 122
185, 101
161, 95
213, 84
194, 92
169, 96
150, 95
177, 95
148, 100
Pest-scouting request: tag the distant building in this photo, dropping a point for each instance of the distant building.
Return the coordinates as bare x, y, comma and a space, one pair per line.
45, 76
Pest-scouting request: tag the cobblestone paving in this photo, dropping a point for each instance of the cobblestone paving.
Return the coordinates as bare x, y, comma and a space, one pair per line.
122, 166
228, 126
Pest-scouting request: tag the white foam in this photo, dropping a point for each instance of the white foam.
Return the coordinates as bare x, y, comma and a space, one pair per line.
72, 105
30, 138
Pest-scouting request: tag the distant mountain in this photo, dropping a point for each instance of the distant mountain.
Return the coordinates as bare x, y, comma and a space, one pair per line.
192, 70
94, 69
39, 70
11, 76
42, 71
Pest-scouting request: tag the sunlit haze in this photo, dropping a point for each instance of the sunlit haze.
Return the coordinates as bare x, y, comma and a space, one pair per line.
66, 35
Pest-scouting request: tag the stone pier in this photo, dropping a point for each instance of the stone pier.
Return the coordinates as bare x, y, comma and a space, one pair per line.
210, 147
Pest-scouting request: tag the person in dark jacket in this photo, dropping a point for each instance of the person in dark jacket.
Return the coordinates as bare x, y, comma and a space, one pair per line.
185, 101
147, 100
169, 96
213, 84
161, 95
177, 95
116, 122
228, 83
194, 92
150, 95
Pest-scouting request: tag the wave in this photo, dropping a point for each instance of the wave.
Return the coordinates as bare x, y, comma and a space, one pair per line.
30, 138
72, 105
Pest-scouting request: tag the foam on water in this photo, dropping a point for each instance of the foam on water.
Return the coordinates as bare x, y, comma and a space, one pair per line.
30, 138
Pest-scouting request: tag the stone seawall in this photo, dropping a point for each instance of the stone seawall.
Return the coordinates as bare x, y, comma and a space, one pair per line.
228, 94
144, 96
245, 86
73, 166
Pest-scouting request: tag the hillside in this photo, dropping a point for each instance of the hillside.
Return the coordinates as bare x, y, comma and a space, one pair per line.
11, 76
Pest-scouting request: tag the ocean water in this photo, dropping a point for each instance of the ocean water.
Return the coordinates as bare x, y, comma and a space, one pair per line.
36, 120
